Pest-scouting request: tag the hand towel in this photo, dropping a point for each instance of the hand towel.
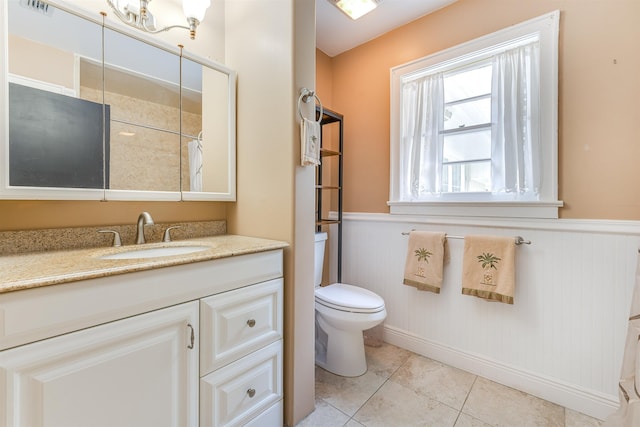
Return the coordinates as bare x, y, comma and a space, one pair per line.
425, 261
488, 268
195, 165
310, 142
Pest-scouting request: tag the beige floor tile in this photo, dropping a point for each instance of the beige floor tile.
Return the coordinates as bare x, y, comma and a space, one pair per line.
576, 419
396, 405
498, 405
465, 420
346, 394
353, 423
324, 415
443, 383
385, 359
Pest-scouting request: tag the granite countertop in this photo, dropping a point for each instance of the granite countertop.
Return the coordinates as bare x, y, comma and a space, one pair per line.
31, 270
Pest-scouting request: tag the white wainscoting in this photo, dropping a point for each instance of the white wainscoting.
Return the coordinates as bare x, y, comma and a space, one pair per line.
561, 340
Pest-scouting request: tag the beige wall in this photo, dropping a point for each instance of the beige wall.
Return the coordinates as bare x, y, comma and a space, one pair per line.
40, 62
39, 214
271, 45
599, 89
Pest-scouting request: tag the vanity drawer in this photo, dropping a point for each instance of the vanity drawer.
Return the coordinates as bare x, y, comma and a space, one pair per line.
235, 323
235, 394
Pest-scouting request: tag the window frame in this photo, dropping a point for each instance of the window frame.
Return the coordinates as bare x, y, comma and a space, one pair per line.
546, 204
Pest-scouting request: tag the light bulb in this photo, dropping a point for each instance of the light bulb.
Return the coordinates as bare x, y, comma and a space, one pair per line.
195, 8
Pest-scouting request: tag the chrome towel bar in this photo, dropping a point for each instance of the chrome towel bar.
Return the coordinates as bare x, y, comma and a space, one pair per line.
518, 240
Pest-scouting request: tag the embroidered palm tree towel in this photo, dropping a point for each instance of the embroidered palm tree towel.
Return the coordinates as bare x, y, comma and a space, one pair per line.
425, 260
488, 268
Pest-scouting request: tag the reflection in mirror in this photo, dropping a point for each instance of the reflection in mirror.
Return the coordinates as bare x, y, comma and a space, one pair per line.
192, 134
55, 133
142, 90
206, 148
117, 124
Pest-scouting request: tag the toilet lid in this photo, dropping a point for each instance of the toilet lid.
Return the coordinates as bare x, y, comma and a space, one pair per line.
349, 298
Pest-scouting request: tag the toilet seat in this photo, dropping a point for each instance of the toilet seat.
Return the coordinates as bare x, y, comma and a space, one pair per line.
343, 297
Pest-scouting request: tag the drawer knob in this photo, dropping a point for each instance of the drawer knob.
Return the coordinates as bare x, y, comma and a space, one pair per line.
251, 323
251, 392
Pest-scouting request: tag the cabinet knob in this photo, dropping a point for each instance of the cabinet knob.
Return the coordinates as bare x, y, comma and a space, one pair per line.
251, 392
251, 323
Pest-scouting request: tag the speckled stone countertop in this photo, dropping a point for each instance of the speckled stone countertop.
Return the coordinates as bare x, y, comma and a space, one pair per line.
36, 269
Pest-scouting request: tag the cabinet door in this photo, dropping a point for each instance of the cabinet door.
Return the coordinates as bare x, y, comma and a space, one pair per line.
140, 371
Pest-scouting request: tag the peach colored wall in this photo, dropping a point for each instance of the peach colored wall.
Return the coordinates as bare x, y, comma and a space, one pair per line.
599, 89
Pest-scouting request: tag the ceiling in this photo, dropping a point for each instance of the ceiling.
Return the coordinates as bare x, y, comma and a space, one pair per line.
337, 33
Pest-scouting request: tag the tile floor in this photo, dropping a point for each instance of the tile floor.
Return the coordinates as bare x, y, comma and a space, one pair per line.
402, 388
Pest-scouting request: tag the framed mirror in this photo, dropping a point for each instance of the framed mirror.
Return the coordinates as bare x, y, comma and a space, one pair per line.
98, 113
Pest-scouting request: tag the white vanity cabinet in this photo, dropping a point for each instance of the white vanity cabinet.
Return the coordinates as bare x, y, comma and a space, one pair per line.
140, 371
241, 355
187, 345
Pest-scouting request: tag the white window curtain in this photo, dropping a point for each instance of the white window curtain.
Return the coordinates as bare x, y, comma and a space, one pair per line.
515, 165
421, 130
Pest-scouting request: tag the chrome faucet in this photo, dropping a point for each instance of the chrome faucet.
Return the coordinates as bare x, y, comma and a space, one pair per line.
143, 219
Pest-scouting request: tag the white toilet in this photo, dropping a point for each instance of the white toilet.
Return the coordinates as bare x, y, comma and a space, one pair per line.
342, 313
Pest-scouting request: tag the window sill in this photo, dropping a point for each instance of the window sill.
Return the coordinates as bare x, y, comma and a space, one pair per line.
533, 209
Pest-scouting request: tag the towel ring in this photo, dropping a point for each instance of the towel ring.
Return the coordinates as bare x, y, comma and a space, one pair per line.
305, 96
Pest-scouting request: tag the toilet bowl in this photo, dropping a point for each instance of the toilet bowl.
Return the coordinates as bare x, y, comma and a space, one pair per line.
343, 311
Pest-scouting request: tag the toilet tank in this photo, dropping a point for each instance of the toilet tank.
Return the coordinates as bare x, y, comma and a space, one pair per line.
321, 238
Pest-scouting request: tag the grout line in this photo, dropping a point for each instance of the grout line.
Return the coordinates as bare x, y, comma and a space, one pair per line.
378, 389
465, 399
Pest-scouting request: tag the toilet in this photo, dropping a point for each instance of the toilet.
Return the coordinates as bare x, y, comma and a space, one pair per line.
342, 313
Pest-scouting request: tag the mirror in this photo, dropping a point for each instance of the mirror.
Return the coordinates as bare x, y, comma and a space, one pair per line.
142, 91
55, 137
96, 113
207, 157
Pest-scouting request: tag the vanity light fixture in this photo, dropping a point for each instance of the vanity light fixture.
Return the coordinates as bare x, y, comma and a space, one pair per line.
136, 13
354, 9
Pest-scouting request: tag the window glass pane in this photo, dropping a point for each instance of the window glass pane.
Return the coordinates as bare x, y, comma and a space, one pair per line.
467, 84
466, 177
467, 146
467, 113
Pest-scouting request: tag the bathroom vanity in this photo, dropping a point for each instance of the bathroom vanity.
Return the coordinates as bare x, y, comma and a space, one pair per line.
179, 340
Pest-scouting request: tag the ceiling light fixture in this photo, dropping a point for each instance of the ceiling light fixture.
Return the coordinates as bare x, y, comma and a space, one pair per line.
354, 9
136, 13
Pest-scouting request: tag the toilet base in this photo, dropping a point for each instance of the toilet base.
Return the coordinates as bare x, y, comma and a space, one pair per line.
339, 352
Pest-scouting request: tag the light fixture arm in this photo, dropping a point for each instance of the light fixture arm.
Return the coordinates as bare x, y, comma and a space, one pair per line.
141, 19
143, 27
128, 19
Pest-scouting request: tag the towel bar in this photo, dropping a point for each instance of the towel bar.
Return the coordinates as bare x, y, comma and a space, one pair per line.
518, 240
307, 95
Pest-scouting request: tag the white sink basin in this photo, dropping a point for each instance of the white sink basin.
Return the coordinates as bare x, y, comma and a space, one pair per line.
156, 252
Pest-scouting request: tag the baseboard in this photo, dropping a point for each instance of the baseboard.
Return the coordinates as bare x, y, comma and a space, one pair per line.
588, 402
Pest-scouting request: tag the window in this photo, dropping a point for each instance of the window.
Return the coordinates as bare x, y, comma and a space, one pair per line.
474, 128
